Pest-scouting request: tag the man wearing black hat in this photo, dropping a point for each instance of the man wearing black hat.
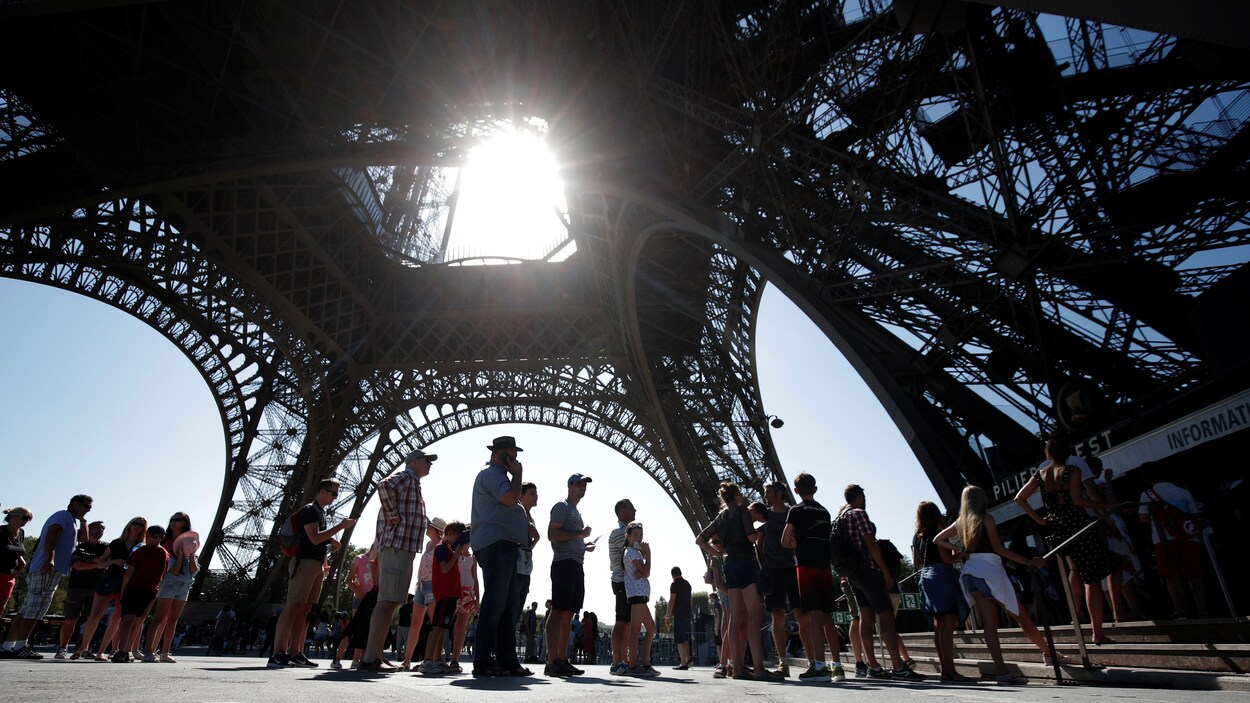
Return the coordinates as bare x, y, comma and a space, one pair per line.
499, 529
568, 581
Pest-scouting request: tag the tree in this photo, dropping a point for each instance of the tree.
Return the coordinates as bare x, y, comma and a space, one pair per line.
661, 610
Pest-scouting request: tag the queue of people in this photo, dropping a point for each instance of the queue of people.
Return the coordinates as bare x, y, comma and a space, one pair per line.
765, 557
146, 568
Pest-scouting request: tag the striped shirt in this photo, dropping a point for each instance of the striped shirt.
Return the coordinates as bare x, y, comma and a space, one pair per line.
400, 494
616, 553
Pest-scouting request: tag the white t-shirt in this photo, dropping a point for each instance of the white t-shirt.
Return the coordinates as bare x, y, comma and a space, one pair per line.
635, 584
1170, 493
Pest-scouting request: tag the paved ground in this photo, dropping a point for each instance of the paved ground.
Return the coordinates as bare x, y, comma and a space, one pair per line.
198, 679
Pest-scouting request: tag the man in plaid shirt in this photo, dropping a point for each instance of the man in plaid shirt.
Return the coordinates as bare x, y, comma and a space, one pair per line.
871, 584
400, 534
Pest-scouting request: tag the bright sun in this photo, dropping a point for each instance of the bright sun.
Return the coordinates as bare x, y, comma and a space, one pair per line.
511, 201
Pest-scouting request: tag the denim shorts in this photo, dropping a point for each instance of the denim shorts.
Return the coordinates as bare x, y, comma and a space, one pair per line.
976, 584
176, 587
423, 594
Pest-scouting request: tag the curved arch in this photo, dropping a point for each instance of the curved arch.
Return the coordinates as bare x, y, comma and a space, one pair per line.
879, 359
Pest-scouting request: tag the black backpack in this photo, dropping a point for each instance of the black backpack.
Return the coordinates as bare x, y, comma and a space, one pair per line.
844, 554
893, 558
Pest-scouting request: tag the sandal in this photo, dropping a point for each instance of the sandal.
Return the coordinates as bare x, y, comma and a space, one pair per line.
519, 671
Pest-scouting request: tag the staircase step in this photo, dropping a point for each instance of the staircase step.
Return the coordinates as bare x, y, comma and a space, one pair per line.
1231, 658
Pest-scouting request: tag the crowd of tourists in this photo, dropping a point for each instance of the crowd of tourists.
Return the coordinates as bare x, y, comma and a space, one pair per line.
765, 559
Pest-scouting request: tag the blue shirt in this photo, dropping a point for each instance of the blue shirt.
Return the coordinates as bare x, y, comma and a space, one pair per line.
493, 521
64, 549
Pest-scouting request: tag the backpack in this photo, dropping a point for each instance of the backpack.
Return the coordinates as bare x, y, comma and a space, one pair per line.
893, 559
288, 536
1178, 523
843, 553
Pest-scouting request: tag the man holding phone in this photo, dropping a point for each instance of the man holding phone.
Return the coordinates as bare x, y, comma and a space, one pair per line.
401, 529
567, 535
499, 529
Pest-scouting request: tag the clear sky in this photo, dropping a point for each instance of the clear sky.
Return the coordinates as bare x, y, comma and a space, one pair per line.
93, 401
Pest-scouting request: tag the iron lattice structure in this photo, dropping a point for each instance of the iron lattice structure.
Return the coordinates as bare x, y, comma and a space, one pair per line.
989, 211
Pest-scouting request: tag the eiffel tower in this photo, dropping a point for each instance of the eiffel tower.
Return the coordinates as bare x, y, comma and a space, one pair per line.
989, 211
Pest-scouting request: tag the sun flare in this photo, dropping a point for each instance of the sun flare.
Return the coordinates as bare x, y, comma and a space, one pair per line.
511, 201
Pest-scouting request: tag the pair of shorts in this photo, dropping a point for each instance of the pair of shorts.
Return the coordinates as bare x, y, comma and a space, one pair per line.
176, 587
623, 611
423, 594
815, 585
305, 583
40, 588
7, 583
444, 614
848, 593
638, 600
568, 585
976, 584
1179, 557
780, 587
740, 573
78, 602
136, 601
394, 574
109, 584
681, 630
868, 585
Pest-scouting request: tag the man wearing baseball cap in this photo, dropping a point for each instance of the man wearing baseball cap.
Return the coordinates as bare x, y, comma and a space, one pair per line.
568, 582
401, 528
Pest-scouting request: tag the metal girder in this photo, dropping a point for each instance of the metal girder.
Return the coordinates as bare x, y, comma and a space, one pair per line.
974, 203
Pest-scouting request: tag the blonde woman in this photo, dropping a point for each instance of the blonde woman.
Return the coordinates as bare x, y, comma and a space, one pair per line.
109, 589
983, 579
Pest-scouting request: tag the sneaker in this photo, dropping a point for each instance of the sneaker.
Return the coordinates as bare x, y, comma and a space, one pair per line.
782, 670
554, 669
166, 659
149, 658
649, 670
573, 671
431, 668
278, 661
910, 664
904, 674
1011, 680
815, 674
355, 664
619, 669
718, 672
861, 670
122, 658
375, 665
26, 653
681, 667
636, 671
301, 661
837, 672
878, 673
336, 664
61, 654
